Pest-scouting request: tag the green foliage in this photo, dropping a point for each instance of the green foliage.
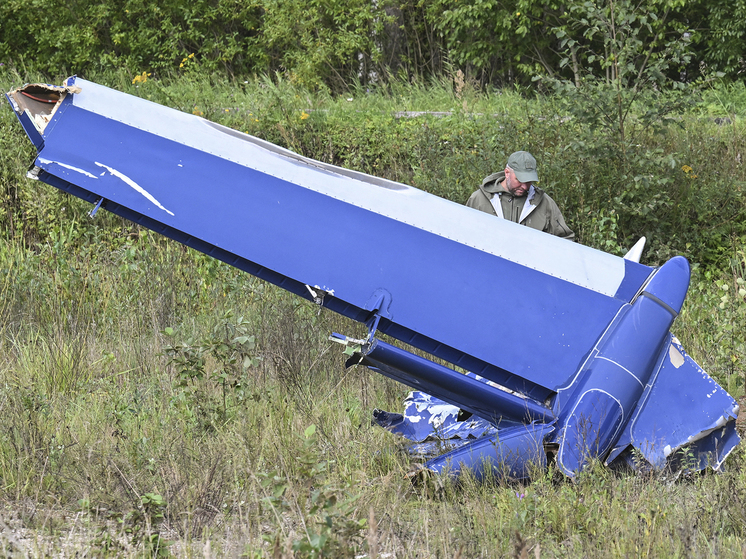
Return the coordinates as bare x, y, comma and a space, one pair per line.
624, 57
333, 44
142, 525
496, 39
329, 526
315, 43
717, 304
724, 100
601, 230
224, 358
59, 37
318, 43
620, 65
724, 43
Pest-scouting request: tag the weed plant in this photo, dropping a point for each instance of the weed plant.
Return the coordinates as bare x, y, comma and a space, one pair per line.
156, 401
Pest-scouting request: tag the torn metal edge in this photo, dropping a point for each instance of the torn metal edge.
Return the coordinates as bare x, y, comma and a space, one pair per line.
31, 107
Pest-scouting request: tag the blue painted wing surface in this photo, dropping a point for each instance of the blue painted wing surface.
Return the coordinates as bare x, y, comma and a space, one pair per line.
514, 453
214, 188
594, 409
558, 324
427, 418
686, 419
451, 441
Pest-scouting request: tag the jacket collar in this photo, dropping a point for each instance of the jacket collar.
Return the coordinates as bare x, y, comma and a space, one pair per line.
493, 186
494, 183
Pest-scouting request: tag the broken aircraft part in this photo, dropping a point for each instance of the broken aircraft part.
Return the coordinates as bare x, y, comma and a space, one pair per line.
579, 359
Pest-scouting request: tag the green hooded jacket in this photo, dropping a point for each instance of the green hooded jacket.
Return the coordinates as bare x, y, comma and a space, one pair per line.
535, 209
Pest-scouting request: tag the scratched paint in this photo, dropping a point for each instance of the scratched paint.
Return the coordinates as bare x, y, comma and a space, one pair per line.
69, 167
129, 182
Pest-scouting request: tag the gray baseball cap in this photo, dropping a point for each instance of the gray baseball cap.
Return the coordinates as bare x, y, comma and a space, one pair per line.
524, 166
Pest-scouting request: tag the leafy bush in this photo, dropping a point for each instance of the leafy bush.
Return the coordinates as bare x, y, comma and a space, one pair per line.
336, 43
329, 526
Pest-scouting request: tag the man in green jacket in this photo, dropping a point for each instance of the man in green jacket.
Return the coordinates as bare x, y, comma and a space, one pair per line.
510, 194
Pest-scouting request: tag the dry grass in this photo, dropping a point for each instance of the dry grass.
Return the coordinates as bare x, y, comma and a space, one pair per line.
78, 458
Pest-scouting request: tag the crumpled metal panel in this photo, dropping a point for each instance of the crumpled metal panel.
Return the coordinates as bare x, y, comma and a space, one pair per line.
427, 418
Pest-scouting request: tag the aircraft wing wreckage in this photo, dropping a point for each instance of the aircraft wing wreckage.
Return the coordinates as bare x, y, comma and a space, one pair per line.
568, 349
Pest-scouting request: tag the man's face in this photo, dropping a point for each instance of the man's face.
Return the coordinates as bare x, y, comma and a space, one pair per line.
514, 186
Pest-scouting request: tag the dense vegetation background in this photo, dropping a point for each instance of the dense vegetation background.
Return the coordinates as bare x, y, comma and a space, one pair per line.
154, 399
326, 43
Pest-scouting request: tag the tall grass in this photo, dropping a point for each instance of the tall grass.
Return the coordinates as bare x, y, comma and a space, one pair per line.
134, 425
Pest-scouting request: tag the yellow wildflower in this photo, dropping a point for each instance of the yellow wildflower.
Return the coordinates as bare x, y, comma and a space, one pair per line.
304, 115
142, 78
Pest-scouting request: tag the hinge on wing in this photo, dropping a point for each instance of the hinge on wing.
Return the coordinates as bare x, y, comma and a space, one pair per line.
378, 305
318, 293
